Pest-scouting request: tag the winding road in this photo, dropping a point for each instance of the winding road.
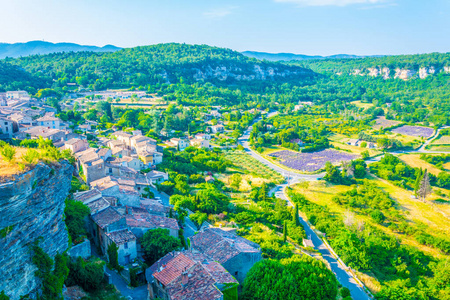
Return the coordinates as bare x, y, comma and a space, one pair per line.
343, 275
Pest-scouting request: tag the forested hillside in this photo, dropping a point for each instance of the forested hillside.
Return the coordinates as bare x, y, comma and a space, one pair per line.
163, 63
14, 78
386, 66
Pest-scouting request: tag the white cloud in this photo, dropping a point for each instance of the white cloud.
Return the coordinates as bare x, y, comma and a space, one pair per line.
219, 12
330, 2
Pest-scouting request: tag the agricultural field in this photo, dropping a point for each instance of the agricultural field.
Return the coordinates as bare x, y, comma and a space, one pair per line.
442, 140
253, 166
382, 122
355, 149
361, 104
414, 161
416, 131
311, 162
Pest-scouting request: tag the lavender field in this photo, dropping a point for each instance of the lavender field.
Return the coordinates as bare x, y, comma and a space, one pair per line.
311, 162
417, 131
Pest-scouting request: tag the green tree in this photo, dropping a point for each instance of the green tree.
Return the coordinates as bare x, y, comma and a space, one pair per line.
285, 231
299, 277
198, 218
158, 242
8, 152
3, 296
113, 256
75, 214
296, 216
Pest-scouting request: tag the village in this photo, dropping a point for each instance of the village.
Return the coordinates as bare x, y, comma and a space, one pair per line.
125, 203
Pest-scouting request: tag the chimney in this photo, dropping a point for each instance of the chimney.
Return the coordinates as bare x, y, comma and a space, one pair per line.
184, 277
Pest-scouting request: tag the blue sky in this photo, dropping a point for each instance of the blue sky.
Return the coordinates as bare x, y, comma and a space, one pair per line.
323, 27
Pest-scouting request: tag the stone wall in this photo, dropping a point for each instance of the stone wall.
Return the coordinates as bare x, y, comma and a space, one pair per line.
31, 206
83, 249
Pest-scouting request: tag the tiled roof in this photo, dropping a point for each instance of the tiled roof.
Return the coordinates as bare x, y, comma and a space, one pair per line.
146, 220
98, 205
222, 245
200, 286
106, 217
72, 141
173, 269
84, 196
48, 118
201, 273
121, 236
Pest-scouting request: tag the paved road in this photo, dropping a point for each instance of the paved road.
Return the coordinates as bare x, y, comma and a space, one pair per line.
344, 277
138, 293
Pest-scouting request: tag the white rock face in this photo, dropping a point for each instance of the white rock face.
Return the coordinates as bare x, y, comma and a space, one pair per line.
423, 73
224, 73
403, 73
374, 72
386, 73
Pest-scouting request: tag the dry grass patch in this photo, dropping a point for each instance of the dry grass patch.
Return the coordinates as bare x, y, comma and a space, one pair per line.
16, 166
414, 161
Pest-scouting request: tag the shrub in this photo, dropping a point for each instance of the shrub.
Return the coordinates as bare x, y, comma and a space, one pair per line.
8, 152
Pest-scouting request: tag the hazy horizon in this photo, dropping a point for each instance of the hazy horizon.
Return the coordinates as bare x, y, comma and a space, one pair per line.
311, 27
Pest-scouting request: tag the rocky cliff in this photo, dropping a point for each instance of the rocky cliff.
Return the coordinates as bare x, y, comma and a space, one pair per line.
31, 206
400, 73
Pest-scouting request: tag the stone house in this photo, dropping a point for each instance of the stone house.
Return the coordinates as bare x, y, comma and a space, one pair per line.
236, 254
92, 165
76, 145
6, 127
150, 158
203, 136
123, 137
216, 129
353, 142
142, 221
126, 242
188, 275
103, 222
180, 144
50, 121
55, 135
201, 143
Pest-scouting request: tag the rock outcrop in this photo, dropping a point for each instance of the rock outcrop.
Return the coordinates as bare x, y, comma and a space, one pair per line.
31, 206
400, 73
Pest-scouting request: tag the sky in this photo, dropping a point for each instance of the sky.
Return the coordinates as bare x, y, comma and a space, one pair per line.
313, 27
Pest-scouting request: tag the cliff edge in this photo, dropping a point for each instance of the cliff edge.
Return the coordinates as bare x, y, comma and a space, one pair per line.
31, 206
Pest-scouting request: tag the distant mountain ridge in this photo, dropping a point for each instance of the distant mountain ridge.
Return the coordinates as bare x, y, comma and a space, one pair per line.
292, 56
41, 47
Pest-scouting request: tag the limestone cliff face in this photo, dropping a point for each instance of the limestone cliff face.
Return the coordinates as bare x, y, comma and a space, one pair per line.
31, 206
400, 73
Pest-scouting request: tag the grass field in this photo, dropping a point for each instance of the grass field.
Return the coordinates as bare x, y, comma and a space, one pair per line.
442, 140
434, 216
356, 149
438, 148
360, 104
414, 161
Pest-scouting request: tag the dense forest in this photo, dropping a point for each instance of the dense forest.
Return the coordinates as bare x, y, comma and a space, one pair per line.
161, 63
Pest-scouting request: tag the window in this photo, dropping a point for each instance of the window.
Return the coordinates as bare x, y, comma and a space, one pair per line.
236, 273
125, 245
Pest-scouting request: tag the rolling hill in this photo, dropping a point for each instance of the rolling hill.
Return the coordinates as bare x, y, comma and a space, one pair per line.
162, 63
41, 47
292, 56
